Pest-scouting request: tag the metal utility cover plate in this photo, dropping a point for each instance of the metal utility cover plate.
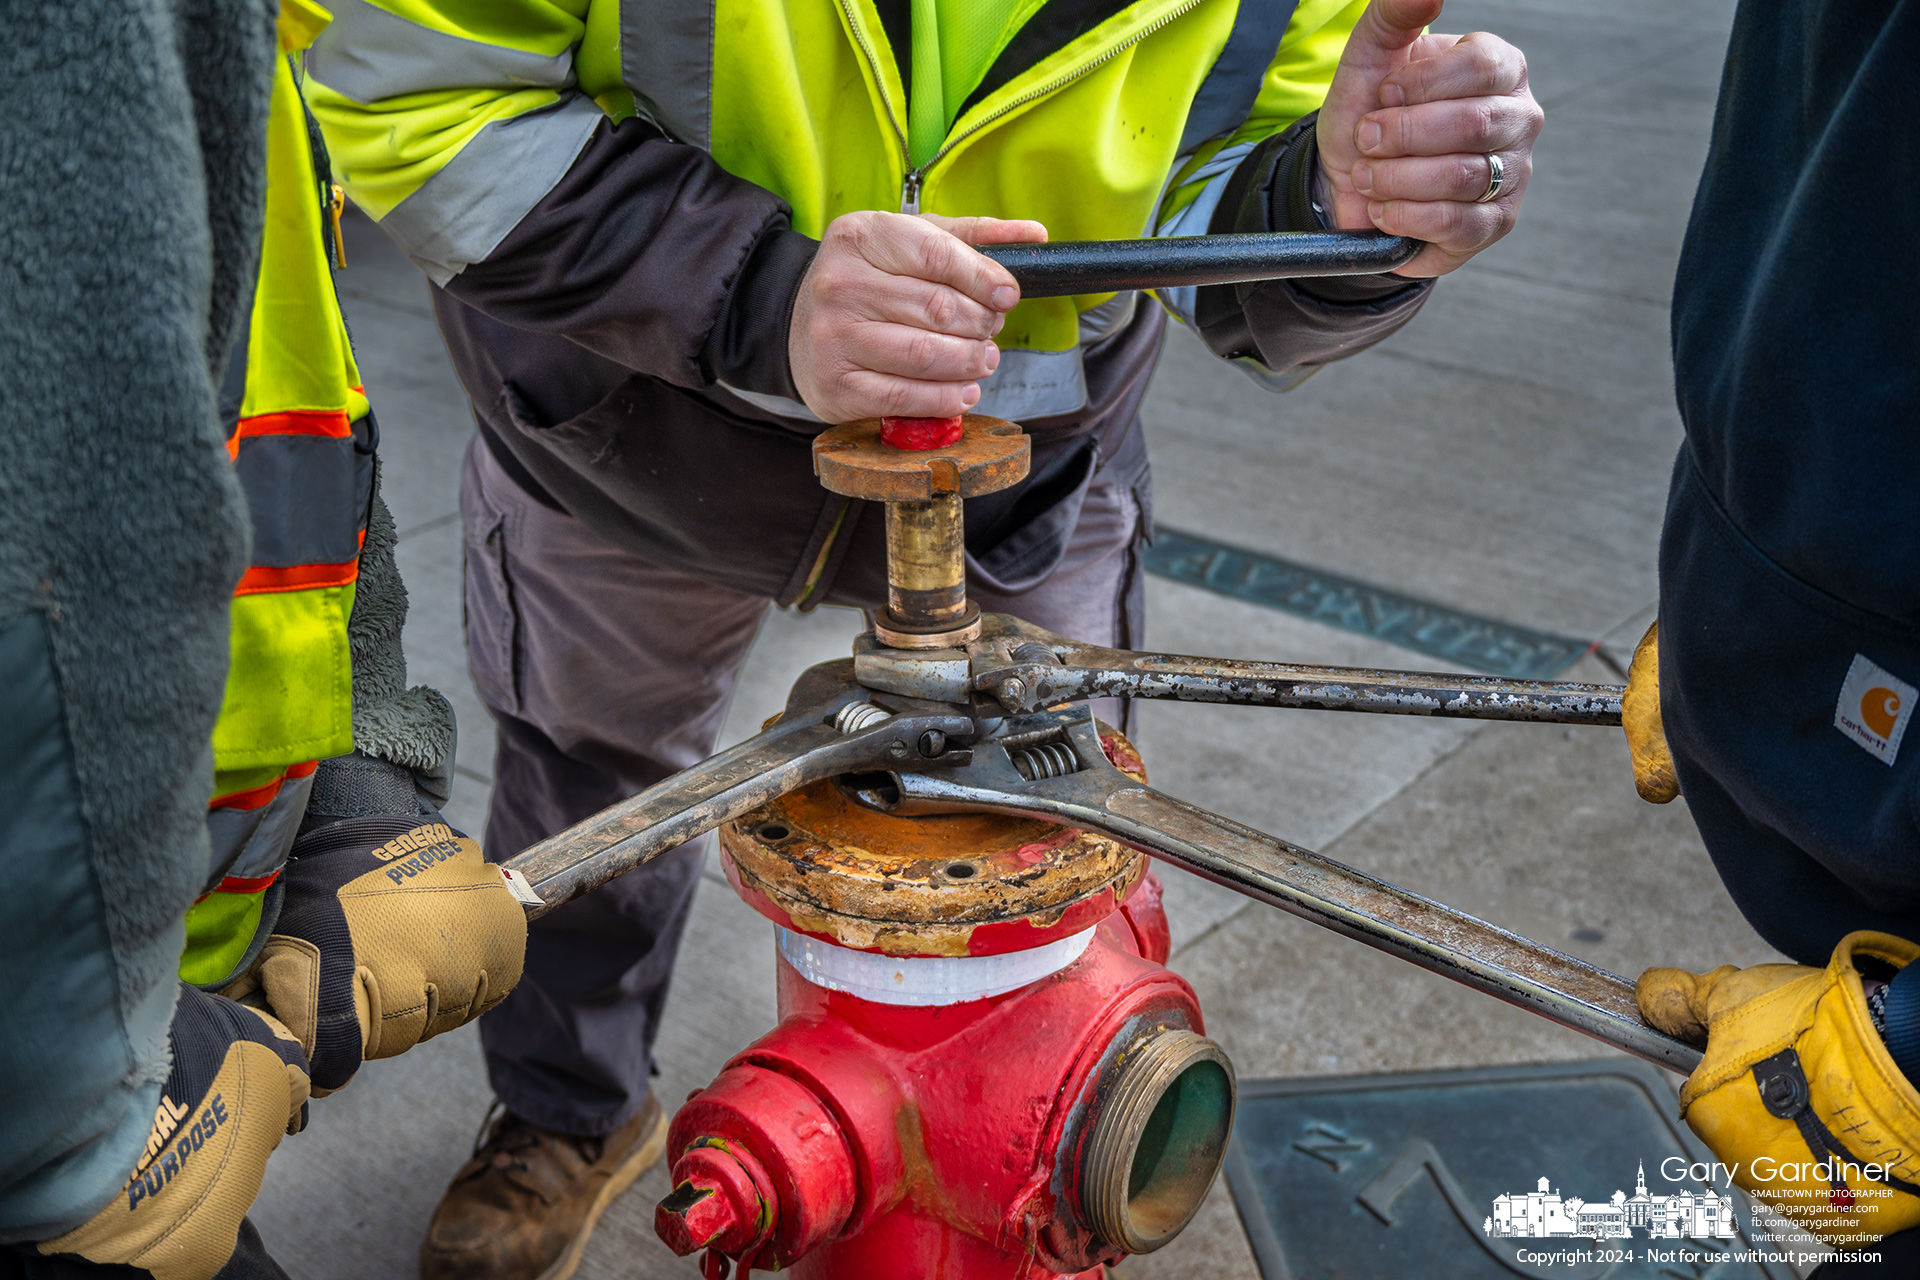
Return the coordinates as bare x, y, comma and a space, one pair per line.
1365, 1177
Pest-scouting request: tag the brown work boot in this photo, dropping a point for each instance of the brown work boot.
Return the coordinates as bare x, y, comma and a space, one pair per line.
523, 1207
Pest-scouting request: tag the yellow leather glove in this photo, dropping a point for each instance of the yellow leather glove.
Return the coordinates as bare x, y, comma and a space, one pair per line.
1797, 1094
1653, 775
237, 1085
392, 931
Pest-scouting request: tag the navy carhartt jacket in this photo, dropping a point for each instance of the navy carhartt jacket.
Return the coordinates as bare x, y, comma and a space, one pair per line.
1790, 563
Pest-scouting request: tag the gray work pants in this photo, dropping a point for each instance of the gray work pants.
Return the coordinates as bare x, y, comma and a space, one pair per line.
606, 673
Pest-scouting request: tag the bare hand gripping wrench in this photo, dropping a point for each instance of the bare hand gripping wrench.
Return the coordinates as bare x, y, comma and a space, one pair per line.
943, 709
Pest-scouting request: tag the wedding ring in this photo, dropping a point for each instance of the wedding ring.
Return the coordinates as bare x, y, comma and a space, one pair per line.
1496, 179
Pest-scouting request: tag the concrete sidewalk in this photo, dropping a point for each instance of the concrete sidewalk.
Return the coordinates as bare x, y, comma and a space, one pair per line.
1506, 455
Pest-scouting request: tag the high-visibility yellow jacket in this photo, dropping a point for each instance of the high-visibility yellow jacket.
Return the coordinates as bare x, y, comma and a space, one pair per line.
302, 439
449, 119
618, 199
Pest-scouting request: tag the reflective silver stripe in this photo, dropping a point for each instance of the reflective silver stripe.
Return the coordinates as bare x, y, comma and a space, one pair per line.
1268, 380
1034, 384
463, 211
780, 405
666, 58
1028, 384
925, 980
1226, 96
1193, 220
367, 54
252, 843
1109, 318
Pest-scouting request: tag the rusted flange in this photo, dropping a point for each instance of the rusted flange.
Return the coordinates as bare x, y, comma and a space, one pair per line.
990, 455
946, 885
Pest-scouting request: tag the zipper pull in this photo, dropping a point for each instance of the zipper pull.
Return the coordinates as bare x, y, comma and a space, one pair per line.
338, 203
910, 193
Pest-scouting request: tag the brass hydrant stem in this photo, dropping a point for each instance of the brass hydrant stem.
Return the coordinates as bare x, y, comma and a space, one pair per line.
926, 563
923, 489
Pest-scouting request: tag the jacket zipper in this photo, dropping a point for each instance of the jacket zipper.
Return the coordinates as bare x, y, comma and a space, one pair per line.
911, 184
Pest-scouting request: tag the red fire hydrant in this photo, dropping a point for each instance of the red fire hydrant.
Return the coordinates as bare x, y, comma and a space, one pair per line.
982, 1067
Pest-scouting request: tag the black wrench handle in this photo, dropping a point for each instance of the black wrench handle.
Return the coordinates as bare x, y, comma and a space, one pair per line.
1070, 267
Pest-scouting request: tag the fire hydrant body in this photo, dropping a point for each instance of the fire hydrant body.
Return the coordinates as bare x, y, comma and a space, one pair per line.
982, 1068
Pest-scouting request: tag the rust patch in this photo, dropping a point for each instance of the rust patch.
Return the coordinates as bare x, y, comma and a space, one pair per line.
990, 454
921, 1184
921, 886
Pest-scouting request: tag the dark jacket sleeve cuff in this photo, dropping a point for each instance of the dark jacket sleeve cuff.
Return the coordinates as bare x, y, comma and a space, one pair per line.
748, 346
1286, 324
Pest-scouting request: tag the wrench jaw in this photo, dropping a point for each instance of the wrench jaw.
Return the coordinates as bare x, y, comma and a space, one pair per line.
1021, 770
983, 675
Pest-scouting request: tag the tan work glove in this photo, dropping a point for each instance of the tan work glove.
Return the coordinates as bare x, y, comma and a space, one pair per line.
1653, 775
238, 1084
393, 930
1797, 1093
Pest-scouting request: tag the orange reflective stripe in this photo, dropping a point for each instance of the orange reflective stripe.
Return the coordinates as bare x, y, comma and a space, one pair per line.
262, 579
239, 884
256, 797
291, 422
246, 884
337, 423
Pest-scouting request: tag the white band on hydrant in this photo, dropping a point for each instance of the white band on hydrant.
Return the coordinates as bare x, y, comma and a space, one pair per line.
925, 980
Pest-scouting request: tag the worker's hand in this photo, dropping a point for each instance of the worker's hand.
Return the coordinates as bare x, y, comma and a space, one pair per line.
237, 1085
392, 931
1653, 775
897, 314
1407, 126
1795, 1081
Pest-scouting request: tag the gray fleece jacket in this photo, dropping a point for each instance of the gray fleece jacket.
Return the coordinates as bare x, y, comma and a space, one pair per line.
132, 147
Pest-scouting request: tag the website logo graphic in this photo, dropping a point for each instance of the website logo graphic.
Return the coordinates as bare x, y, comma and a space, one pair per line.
1542, 1213
1874, 708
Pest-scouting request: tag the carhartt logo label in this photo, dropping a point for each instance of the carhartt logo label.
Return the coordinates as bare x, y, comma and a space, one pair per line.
1875, 706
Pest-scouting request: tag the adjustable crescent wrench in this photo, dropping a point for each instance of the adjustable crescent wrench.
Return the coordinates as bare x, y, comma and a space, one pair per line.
968, 731
1023, 770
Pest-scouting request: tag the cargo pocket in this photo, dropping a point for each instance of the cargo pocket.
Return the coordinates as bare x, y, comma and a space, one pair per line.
491, 621
1043, 523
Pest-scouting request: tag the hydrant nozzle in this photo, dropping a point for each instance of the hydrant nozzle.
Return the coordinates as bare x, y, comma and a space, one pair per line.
715, 1203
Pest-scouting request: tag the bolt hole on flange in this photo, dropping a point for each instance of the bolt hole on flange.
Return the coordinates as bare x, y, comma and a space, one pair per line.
773, 831
961, 871
877, 791
1159, 1140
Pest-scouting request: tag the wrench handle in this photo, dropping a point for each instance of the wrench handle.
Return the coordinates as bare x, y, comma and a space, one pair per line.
1431, 934
1069, 267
